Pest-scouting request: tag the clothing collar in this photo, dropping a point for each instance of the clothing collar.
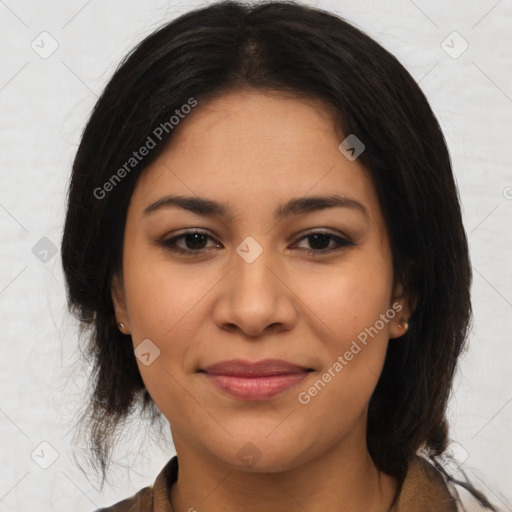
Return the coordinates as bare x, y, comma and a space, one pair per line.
423, 489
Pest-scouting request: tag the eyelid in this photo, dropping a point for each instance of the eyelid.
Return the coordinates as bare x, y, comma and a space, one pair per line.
341, 240
322, 231
166, 242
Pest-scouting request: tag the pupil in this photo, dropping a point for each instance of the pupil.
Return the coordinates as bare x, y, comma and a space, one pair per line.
322, 238
196, 238
196, 241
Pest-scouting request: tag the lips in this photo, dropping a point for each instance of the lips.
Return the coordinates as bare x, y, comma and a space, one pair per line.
260, 380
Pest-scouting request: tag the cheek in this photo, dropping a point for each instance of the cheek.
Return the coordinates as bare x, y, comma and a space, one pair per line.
349, 298
354, 314
164, 306
160, 294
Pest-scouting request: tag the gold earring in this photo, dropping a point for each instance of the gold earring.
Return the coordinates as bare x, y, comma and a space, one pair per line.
403, 325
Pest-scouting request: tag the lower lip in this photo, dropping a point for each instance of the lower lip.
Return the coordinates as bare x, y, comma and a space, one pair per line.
256, 388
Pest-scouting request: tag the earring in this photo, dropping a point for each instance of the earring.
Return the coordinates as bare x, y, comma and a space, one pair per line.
403, 325
121, 326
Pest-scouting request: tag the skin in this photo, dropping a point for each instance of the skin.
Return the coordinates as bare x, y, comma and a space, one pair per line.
253, 151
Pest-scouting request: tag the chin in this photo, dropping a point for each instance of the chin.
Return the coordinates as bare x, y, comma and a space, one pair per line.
258, 454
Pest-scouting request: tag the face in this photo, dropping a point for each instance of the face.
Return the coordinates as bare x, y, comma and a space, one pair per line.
271, 274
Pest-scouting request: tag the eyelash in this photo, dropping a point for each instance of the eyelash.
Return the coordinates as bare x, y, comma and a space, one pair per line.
170, 243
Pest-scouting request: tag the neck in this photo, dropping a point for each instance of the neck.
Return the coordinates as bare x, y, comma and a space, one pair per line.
344, 479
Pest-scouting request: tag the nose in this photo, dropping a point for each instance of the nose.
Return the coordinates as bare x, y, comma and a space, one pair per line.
255, 298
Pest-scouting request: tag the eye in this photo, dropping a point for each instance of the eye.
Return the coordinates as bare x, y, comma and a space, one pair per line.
194, 242
321, 242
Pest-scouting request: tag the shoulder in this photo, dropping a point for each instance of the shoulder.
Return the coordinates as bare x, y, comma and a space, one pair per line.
426, 488
142, 500
153, 498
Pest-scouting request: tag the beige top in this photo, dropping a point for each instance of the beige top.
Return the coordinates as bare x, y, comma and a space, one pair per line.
423, 490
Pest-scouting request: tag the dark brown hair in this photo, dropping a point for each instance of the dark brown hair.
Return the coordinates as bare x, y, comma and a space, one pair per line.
281, 46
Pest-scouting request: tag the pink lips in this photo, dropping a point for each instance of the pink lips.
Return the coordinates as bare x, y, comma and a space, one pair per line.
255, 381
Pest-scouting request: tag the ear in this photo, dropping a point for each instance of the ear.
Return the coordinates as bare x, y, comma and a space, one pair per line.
404, 306
119, 302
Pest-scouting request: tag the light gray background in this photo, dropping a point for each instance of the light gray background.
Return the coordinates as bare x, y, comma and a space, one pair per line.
44, 105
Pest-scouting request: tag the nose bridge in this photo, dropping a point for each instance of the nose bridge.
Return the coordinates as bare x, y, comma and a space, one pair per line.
254, 296
251, 276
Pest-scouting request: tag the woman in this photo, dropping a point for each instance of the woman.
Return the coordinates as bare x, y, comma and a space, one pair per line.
264, 238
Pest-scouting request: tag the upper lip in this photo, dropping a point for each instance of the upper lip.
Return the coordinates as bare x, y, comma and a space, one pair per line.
266, 367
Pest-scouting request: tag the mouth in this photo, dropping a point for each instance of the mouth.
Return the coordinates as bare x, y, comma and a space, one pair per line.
261, 380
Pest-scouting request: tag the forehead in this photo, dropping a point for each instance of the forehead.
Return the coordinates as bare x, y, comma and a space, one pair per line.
255, 149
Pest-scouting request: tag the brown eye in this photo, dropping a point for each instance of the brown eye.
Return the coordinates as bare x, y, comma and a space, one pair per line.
320, 242
196, 242
191, 242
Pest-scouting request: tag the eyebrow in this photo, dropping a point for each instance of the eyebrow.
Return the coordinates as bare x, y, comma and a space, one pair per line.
295, 206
